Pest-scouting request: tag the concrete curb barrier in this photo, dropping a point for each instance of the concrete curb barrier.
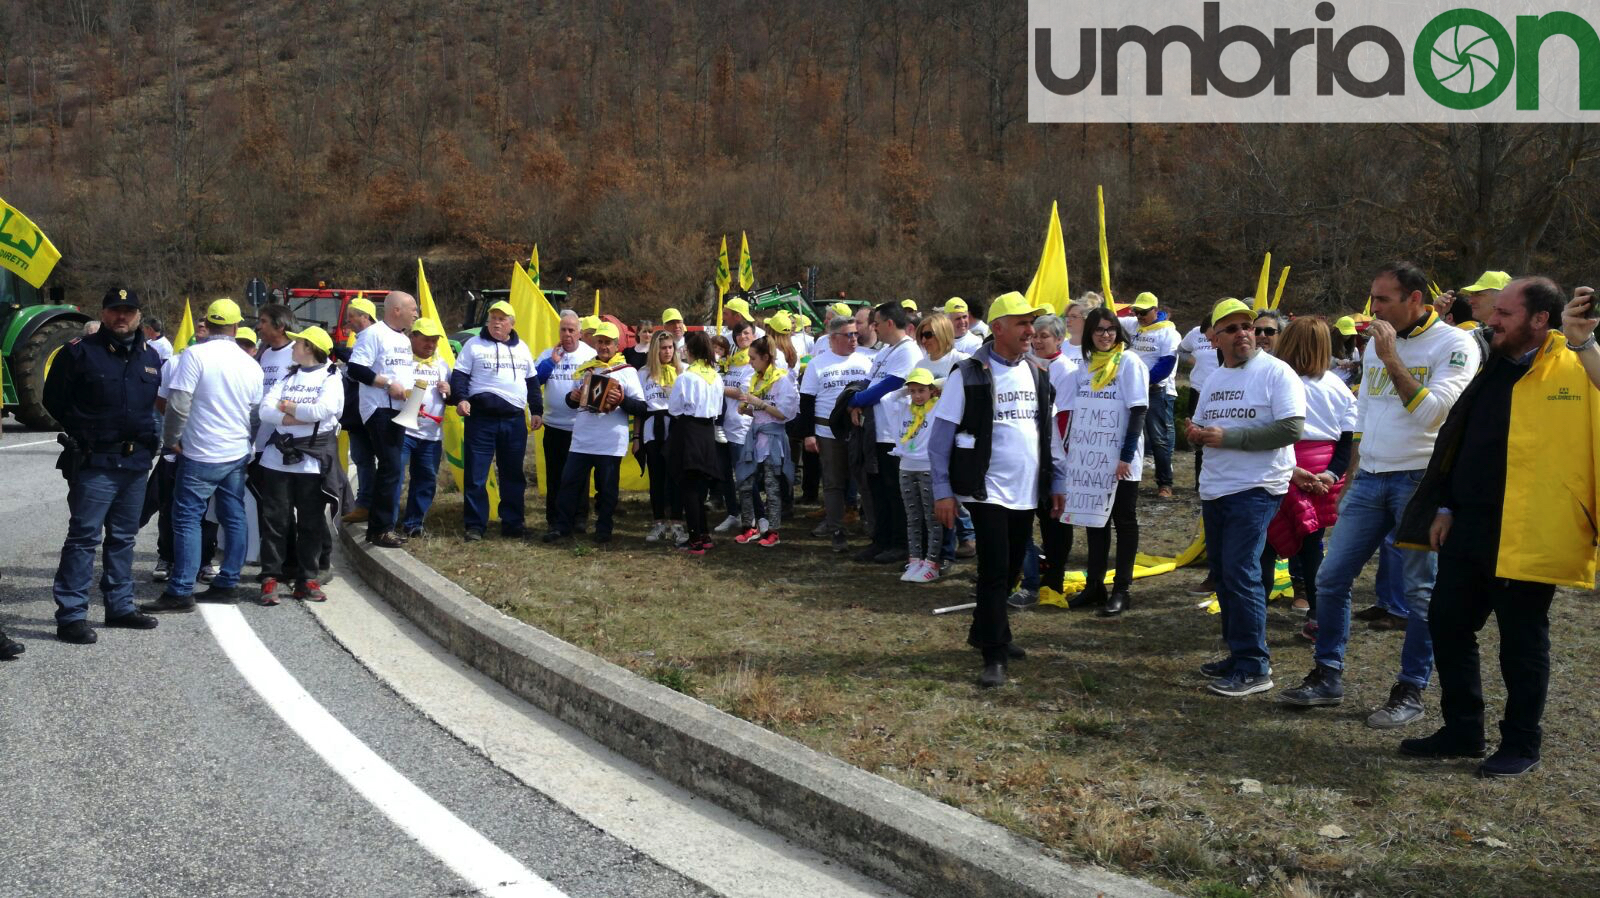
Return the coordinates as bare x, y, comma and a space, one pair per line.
887, 831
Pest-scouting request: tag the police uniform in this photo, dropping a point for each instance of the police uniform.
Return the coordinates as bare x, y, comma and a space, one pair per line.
103, 393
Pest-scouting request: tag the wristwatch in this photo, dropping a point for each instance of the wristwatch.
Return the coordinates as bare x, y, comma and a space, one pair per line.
1584, 345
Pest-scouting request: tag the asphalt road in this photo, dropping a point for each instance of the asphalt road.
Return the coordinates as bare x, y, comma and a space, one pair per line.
147, 764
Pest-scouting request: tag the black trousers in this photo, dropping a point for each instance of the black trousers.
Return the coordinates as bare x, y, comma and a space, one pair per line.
1002, 535
292, 533
810, 473
557, 443
665, 503
1055, 544
888, 507
387, 438
695, 488
1125, 518
1464, 596
1304, 565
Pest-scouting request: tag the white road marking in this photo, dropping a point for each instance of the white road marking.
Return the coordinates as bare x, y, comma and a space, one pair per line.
489, 870
25, 445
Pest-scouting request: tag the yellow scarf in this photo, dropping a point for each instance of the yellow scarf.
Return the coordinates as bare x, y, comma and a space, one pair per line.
737, 360
1159, 325
765, 380
706, 372
593, 363
1103, 367
669, 376
919, 413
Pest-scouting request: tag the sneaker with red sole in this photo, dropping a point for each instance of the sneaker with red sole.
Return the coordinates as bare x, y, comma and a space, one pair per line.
269, 591
696, 549
748, 536
768, 541
309, 591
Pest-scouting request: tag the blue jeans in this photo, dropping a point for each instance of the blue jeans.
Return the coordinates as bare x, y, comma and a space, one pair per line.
607, 471
1030, 567
421, 459
505, 440
1236, 534
961, 532
361, 455
197, 482
1391, 579
1158, 433
102, 501
1370, 509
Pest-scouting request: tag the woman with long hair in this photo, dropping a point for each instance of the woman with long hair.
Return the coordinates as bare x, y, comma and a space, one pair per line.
661, 371
765, 460
694, 403
1320, 457
1113, 384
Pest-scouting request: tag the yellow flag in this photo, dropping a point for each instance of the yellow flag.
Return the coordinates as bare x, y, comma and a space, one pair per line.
1261, 284
537, 322
1050, 285
533, 267
723, 280
185, 334
597, 302
1283, 278
1367, 311
747, 271
1433, 290
1105, 253
24, 248
452, 428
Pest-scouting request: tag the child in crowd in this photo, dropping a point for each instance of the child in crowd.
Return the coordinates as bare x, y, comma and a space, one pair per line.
924, 533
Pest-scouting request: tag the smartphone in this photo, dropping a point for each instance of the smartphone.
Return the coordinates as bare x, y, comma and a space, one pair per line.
1593, 311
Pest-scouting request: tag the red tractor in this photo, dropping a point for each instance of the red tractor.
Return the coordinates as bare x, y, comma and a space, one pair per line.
326, 306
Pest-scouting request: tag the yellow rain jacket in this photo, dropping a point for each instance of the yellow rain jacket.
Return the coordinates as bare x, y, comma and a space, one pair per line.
1548, 529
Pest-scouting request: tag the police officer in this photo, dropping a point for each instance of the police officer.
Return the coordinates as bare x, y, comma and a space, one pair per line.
102, 390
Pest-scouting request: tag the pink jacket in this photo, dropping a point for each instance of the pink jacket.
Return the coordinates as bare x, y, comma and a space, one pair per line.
1301, 513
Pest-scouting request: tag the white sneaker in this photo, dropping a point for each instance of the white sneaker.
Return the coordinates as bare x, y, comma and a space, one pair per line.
763, 526
680, 536
207, 573
728, 523
162, 571
656, 531
913, 571
928, 574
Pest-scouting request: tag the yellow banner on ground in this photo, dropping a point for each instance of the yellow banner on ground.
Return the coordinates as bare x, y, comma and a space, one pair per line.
1050, 284
24, 248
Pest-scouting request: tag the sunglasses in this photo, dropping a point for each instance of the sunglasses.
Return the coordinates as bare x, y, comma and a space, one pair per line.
1266, 332
1232, 329
851, 334
925, 335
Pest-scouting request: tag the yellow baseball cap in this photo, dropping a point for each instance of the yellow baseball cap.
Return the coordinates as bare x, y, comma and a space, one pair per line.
954, 304
1012, 303
1346, 326
589, 322
606, 329
223, 311
738, 305
1490, 280
671, 315
1230, 306
364, 306
504, 308
1146, 300
245, 333
427, 327
316, 336
781, 323
842, 310
920, 376
802, 321
910, 304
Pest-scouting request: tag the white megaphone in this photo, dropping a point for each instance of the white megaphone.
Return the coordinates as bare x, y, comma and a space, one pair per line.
408, 413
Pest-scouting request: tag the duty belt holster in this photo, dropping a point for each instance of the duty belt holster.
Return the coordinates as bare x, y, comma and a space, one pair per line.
73, 457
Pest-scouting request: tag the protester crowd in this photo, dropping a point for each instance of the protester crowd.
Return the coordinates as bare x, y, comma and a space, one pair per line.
1455, 439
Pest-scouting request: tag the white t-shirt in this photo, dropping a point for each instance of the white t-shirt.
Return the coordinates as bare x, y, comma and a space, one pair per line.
1154, 343
941, 366
1396, 438
226, 385
803, 344
734, 425
695, 397
890, 414
1073, 353
655, 396
560, 383
1012, 480
968, 342
274, 362
1255, 394
1197, 346
162, 346
430, 373
1330, 407
318, 397
912, 448
1059, 369
827, 376
387, 352
499, 369
1103, 414
607, 434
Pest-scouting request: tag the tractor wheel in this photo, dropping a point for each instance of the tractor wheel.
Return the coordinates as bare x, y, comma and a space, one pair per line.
31, 362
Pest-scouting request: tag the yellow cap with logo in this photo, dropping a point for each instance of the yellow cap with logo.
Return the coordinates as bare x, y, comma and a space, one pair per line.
427, 327
1230, 306
606, 329
314, 335
955, 304
738, 305
1346, 326
1146, 300
364, 306
920, 376
671, 315
504, 308
1489, 280
223, 311
1012, 303
246, 334
781, 323
910, 304
840, 309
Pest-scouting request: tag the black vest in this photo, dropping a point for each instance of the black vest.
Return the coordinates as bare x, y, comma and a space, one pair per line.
968, 466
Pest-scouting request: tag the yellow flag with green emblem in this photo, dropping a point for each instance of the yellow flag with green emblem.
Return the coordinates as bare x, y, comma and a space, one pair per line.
533, 266
723, 280
747, 271
24, 248
1050, 285
185, 334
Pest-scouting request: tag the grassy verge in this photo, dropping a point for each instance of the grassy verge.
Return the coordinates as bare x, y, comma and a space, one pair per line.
1104, 748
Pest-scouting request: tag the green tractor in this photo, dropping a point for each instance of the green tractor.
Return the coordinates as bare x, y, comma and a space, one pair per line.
34, 324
